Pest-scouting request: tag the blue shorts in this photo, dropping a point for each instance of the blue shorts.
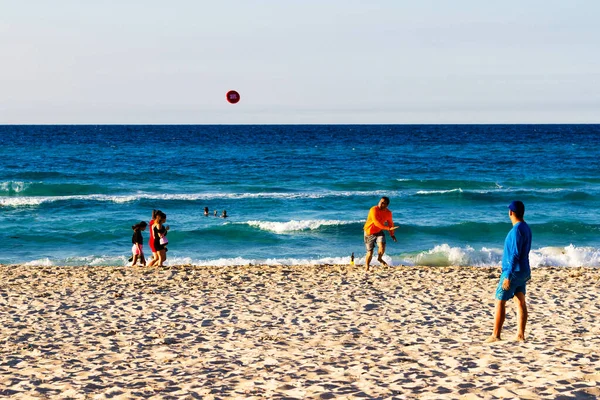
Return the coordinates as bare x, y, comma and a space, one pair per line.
517, 285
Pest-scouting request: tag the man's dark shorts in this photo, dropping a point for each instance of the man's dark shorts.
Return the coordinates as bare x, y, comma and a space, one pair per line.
370, 240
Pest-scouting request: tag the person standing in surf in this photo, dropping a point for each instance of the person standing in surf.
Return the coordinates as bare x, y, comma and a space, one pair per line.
378, 221
515, 272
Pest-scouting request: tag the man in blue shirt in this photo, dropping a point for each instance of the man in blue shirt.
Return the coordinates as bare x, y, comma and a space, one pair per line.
515, 272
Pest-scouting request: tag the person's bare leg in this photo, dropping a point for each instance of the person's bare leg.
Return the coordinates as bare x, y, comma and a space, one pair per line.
498, 321
162, 256
380, 252
368, 258
153, 260
521, 315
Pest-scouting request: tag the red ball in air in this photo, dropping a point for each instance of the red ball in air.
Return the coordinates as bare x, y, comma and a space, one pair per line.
233, 96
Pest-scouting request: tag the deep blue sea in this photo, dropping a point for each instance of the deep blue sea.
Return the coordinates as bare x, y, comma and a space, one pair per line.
298, 194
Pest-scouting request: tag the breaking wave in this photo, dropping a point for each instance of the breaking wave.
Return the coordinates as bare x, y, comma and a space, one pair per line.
294, 226
445, 255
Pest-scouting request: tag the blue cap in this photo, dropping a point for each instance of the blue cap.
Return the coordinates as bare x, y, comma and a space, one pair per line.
517, 207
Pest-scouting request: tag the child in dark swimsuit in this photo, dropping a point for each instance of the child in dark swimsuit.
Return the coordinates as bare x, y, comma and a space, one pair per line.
138, 243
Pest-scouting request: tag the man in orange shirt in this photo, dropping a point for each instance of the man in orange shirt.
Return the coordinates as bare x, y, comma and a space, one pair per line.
379, 220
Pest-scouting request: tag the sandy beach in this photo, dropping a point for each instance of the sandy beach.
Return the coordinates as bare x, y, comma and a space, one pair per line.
293, 332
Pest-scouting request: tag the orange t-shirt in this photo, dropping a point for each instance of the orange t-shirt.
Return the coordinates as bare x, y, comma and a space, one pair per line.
376, 220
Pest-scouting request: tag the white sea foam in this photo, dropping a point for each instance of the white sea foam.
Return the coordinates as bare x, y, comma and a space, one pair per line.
459, 190
442, 255
97, 260
21, 201
445, 255
497, 189
294, 226
43, 262
221, 262
37, 200
78, 261
13, 186
570, 256
224, 262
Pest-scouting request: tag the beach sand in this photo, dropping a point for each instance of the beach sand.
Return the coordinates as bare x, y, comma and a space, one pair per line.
293, 332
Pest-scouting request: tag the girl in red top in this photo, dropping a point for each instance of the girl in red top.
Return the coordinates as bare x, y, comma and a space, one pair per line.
154, 257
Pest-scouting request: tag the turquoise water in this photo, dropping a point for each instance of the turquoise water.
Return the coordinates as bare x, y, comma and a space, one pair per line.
298, 194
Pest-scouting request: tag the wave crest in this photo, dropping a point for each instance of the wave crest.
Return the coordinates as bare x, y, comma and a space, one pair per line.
570, 256
12, 187
445, 255
37, 200
295, 226
426, 192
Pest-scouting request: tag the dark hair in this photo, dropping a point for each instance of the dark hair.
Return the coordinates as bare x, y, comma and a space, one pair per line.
386, 199
140, 226
160, 214
519, 214
518, 208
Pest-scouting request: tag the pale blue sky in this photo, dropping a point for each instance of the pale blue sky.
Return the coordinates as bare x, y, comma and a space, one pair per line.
327, 61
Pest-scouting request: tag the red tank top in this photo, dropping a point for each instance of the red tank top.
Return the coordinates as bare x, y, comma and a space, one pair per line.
151, 241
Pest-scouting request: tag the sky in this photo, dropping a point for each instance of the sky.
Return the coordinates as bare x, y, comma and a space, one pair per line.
299, 62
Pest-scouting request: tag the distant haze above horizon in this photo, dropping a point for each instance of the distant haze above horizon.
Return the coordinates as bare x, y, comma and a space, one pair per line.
310, 62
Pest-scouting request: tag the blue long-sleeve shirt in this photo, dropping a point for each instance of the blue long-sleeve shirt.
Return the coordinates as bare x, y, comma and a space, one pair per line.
515, 259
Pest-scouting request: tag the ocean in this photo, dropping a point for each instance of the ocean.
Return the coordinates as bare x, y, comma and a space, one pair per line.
298, 194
